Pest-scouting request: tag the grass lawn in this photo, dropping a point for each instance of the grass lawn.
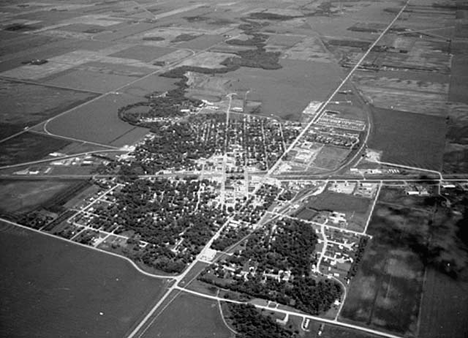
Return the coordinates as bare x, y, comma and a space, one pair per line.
51, 288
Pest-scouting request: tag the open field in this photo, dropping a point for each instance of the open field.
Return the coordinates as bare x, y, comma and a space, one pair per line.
143, 53
330, 157
398, 196
203, 86
339, 202
98, 122
386, 291
410, 95
456, 148
355, 208
28, 104
29, 147
287, 91
444, 307
189, 316
22, 196
330, 331
406, 138
51, 288
459, 79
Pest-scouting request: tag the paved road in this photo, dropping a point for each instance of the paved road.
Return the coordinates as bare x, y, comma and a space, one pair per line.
294, 313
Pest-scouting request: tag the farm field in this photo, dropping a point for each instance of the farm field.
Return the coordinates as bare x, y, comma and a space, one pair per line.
444, 306
330, 331
287, 91
395, 134
28, 147
386, 291
23, 196
18, 113
456, 148
189, 316
51, 288
98, 122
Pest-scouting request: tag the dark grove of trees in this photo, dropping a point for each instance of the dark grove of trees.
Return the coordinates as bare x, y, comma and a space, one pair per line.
249, 323
290, 247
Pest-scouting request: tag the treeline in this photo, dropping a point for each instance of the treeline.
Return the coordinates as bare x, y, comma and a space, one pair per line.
357, 257
160, 106
303, 293
249, 323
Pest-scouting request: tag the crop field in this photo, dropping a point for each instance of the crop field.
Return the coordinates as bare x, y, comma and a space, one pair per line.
459, 78
51, 288
22, 196
92, 81
42, 103
424, 55
29, 147
150, 84
386, 291
202, 42
206, 60
287, 91
98, 122
398, 196
206, 87
189, 316
410, 95
407, 139
330, 331
131, 69
444, 306
310, 49
143, 53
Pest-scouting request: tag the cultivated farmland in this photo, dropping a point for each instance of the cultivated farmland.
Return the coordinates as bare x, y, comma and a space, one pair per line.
386, 291
51, 288
408, 139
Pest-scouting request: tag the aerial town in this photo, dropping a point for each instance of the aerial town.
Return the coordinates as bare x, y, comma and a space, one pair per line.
234, 169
